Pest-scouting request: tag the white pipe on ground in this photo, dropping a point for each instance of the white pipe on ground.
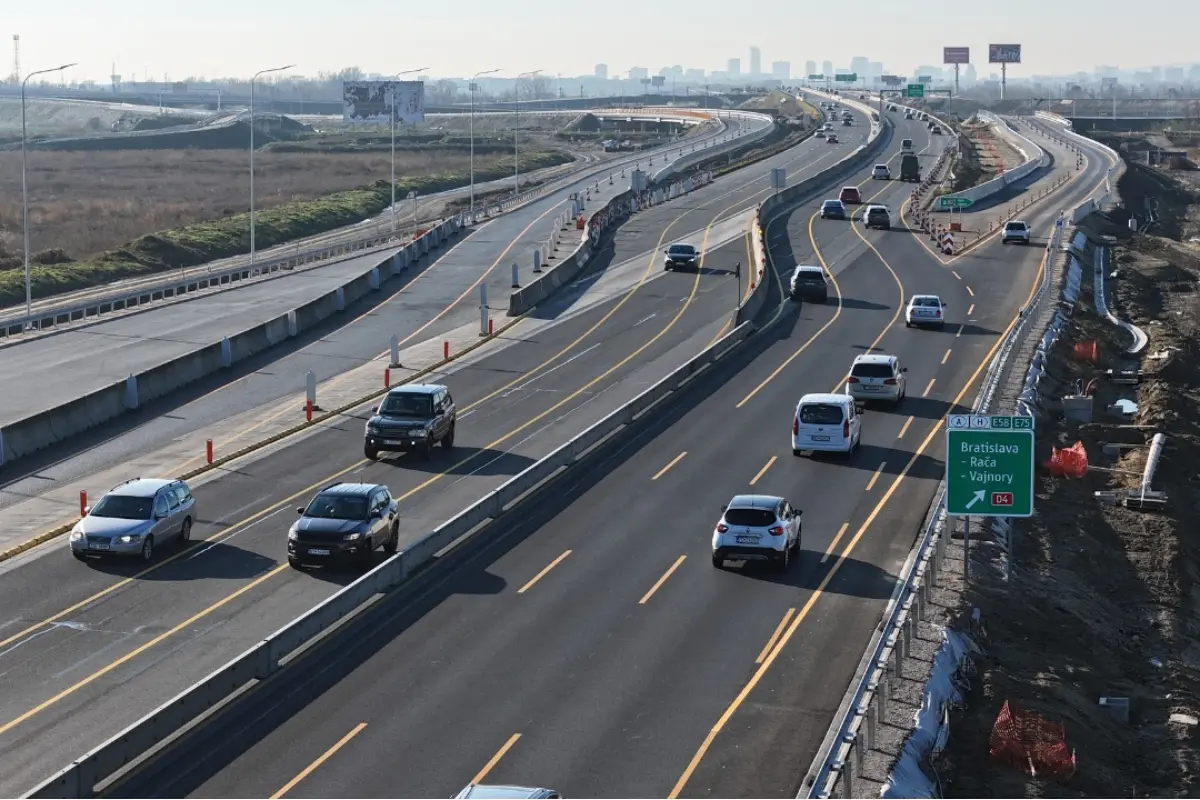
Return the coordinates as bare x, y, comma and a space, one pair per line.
1156, 448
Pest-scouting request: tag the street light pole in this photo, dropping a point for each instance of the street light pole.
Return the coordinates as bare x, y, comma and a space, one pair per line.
253, 78
25, 197
392, 115
516, 120
472, 87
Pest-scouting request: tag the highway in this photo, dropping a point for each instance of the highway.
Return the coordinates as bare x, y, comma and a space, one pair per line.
112, 641
596, 650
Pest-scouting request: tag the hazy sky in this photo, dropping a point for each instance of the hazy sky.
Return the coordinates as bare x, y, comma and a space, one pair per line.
222, 37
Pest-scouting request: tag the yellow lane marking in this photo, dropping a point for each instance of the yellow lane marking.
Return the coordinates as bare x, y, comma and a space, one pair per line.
971, 310
723, 720
946, 356
763, 471
833, 545
494, 760
904, 428
674, 461
132, 654
775, 636
875, 477
545, 570
928, 387
670, 571
287, 787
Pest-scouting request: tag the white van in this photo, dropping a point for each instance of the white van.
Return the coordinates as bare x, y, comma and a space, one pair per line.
827, 423
906, 146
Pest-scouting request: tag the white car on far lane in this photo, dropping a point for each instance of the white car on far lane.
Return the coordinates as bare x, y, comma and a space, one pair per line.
756, 527
925, 309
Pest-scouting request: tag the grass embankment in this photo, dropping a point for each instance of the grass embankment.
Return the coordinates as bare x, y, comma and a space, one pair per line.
200, 243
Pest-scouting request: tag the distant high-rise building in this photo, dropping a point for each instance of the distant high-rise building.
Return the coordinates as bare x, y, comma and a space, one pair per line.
1173, 74
875, 69
694, 75
827, 69
859, 64
810, 68
1194, 72
781, 70
734, 68
755, 61
638, 73
969, 76
602, 71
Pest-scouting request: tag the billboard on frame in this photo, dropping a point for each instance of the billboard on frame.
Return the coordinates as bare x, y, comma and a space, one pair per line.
956, 55
369, 102
1004, 54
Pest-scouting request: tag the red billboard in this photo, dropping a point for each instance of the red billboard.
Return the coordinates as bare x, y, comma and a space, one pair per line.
956, 55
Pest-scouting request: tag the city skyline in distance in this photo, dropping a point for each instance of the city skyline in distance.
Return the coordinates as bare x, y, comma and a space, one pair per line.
145, 39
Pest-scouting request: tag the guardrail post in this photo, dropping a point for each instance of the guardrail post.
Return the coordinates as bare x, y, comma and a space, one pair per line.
131, 392
516, 284
226, 353
483, 310
537, 263
395, 347
872, 714
898, 657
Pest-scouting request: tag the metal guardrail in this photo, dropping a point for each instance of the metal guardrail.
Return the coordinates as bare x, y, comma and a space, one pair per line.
174, 286
842, 759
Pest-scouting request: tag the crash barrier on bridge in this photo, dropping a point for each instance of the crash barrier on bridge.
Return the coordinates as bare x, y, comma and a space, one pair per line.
41, 430
1035, 158
840, 759
779, 202
137, 747
737, 143
1111, 195
166, 287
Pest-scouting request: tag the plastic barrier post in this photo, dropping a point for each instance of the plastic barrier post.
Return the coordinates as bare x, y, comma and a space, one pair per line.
516, 284
387, 377
208, 450
446, 350
395, 347
83, 502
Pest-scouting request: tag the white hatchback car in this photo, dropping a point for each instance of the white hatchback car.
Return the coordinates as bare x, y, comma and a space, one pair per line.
756, 527
826, 423
1015, 231
881, 172
877, 377
925, 309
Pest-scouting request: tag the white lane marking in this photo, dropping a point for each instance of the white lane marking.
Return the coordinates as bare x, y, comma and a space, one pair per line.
538, 377
244, 528
647, 319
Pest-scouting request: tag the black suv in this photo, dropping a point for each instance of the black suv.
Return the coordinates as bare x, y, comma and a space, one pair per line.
344, 521
810, 283
878, 217
412, 418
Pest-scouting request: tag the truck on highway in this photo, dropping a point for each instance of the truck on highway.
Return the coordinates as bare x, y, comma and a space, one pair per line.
910, 169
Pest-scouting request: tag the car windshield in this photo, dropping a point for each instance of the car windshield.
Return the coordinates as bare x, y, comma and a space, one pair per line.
869, 370
821, 414
926, 302
116, 506
876, 210
337, 506
832, 204
682, 250
810, 276
1016, 226
407, 405
849, 190
750, 517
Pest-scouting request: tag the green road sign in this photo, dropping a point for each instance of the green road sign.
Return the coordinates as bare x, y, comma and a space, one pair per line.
849, 77
947, 203
989, 466
915, 90
816, 77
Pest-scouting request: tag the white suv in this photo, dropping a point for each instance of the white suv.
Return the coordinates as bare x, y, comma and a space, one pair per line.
756, 527
877, 377
881, 172
1015, 231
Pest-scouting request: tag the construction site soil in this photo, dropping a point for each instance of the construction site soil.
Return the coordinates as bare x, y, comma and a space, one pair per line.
1103, 600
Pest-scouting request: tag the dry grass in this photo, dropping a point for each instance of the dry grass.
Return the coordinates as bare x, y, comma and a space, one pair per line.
86, 202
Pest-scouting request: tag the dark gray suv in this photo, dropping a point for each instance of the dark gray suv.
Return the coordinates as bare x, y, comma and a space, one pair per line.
345, 521
412, 418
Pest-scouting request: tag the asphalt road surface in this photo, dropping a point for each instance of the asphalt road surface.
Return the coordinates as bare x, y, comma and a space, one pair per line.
112, 642
602, 655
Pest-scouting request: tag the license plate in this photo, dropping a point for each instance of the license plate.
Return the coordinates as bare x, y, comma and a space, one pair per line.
820, 438
97, 546
747, 540
393, 441
318, 552
872, 388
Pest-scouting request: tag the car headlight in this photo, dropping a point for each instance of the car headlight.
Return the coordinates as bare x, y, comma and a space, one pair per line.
129, 538
76, 535
417, 432
372, 428
352, 537
292, 536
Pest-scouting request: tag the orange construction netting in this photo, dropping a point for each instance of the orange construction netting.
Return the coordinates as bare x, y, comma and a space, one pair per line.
1071, 462
1031, 743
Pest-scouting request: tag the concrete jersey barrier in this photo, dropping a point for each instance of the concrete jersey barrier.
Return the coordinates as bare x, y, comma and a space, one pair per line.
1034, 155
267, 658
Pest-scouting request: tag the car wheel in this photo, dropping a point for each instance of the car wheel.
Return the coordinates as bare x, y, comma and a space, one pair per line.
784, 559
666, 268
448, 441
718, 561
907, 324
393, 542
185, 533
294, 563
941, 326
79, 555
366, 555
797, 453
147, 553
371, 452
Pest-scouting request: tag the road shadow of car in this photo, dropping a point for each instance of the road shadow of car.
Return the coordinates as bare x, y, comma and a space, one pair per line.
199, 561
854, 577
919, 407
870, 458
862, 305
461, 460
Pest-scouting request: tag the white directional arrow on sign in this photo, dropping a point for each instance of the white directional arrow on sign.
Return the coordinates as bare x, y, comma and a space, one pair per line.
978, 497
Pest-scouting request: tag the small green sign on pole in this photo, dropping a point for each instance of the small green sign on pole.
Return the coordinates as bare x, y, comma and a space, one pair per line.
846, 77
915, 90
989, 466
956, 203
816, 77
